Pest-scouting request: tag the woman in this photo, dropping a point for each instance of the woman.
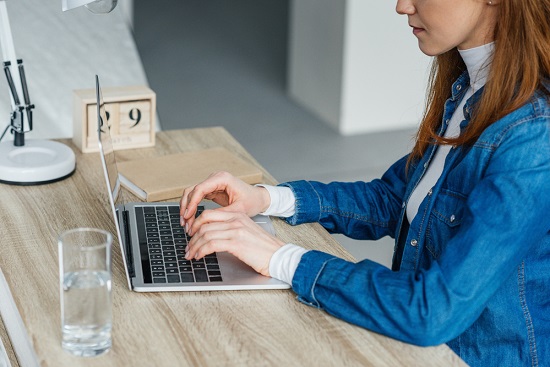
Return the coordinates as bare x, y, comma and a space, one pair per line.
468, 207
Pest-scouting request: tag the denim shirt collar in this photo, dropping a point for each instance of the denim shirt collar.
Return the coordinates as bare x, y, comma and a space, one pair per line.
459, 88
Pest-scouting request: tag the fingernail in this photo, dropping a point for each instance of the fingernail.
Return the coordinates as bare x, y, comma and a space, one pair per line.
187, 228
187, 249
182, 221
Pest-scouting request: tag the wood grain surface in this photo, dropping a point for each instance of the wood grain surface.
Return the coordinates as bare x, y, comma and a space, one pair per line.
7, 345
229, 328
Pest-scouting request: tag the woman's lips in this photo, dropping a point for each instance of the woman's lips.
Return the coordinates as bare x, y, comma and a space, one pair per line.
417, 30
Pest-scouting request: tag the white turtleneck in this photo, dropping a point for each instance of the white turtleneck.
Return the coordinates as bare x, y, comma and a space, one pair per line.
284, 261
477, 62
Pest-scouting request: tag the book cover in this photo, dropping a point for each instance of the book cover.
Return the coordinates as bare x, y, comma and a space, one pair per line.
165, 177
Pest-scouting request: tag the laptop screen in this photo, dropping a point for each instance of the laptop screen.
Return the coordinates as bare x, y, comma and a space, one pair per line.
106, 146
110, 170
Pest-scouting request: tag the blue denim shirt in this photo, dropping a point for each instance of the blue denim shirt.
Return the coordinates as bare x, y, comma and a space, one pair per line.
472, 269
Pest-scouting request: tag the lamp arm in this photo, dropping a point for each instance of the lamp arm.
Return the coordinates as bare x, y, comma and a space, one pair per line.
21, 116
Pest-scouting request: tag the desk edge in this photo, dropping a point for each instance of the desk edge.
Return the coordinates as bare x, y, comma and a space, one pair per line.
15, 328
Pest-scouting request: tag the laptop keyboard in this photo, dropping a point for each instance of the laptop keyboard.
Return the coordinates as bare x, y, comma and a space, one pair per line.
162, 243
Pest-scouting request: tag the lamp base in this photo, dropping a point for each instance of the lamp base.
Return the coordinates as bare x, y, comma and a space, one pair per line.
37, 162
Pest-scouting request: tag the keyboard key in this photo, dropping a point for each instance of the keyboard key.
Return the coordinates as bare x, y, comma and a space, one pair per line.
173, 278
201, 276
158, 273
212, 267
157, 268
157, 262
170, 264
199, 266
214, 273
211, 260
184, 269
216, 279
159, 280
187, 278
172, 271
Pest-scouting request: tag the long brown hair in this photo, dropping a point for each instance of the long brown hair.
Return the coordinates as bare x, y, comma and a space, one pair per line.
521, 62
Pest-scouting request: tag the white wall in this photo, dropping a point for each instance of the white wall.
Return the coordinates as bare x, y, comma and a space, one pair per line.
315, 64
357, 65
63, 51
127, 9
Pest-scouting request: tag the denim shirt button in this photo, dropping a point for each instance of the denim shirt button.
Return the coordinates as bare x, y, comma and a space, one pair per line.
430, 192
452, 218
414, 243
459, 87
447, 121
403, 205
426, 165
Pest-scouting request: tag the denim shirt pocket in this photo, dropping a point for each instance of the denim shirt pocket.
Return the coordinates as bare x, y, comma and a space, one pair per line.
444, 222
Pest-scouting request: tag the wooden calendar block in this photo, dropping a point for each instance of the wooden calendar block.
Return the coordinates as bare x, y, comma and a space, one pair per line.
130, 117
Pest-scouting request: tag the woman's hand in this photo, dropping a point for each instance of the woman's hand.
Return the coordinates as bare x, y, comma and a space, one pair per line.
236, 233
226, 190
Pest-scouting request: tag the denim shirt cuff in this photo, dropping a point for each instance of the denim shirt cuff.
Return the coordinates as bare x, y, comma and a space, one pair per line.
308, 203
307, 273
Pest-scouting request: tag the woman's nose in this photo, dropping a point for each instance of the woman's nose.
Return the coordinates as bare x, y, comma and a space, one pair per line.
405, 7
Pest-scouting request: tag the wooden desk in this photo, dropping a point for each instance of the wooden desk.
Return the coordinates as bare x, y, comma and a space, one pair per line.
5, 341
237, 328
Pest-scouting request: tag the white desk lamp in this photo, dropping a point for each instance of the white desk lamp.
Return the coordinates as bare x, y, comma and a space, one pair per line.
32, 162
95, 6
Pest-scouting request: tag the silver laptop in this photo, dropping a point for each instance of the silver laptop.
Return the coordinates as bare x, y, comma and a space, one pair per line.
153, 243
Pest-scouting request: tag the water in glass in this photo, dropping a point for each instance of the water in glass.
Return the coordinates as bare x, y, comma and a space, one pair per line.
86, 312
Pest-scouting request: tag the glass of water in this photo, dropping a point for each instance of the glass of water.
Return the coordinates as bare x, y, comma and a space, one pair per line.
85, 287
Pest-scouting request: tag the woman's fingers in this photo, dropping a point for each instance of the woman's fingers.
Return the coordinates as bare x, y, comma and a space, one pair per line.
215, 184
235, 233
